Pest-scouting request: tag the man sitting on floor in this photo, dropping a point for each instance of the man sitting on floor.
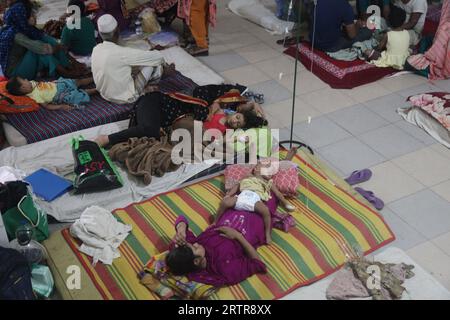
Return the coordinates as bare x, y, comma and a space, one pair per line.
121, 74
416, 11
330, 16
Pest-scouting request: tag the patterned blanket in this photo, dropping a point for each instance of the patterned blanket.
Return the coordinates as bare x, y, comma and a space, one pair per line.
338, 74
330, 225
44, 124
436, 104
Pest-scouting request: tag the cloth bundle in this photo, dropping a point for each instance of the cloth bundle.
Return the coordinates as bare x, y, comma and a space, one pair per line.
145, 157
356, 280
101, 234
54, 28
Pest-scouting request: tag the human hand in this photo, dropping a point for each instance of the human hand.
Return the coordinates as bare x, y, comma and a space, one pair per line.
230, 233
180, 236
48, 49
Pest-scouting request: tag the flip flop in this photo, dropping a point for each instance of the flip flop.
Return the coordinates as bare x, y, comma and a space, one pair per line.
359, 176
290, 208
370, 196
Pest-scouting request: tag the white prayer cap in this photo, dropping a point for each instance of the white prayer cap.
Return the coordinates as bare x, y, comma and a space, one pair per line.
106, 23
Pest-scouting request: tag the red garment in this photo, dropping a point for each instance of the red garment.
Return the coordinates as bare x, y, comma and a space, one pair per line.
215, 123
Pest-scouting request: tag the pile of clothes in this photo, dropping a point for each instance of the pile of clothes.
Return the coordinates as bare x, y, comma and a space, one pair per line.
361, 278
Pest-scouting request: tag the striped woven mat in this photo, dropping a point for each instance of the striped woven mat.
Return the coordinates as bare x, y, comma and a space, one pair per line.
331, 225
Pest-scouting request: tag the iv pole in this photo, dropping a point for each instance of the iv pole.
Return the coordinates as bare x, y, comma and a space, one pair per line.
297, 43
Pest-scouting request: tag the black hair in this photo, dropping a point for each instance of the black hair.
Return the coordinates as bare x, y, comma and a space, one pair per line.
397, 17
29, 6
252, 120
80, 4
180, 261
14, 87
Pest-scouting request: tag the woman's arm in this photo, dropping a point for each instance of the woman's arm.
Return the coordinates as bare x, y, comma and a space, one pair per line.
236, 235
415, 16
35, 46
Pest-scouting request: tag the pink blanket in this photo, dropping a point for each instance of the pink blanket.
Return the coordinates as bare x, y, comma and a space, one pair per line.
438, 56
436, 104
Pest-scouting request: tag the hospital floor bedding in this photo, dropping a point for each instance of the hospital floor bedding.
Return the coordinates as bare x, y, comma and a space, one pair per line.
55, 155
43, 124
338, 74
332, 220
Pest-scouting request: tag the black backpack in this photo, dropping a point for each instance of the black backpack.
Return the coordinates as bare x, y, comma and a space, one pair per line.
15, 276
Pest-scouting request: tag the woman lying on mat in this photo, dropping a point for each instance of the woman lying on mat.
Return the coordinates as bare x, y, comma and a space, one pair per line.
157, 110
225, 253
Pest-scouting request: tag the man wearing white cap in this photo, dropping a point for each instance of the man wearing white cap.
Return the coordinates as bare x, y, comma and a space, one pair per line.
114, 67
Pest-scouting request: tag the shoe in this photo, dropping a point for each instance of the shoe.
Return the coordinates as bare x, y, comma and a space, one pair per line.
370, 196
359, 176
197, 51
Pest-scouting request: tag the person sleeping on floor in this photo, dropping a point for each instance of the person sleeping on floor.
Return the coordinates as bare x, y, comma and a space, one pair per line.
255, 191
62, 94
225, 253
157, 110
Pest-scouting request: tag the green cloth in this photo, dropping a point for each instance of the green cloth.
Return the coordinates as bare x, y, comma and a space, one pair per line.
27, 58
80, 41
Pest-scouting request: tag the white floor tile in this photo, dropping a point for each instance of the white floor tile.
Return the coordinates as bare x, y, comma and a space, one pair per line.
328, 100
246, 75
390, 183
257, 52
367, 92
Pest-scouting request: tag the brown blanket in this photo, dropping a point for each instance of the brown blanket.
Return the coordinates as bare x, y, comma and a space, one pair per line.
145, 157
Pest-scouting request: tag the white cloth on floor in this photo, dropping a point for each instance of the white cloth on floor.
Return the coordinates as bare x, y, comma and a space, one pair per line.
10, 174
101, 234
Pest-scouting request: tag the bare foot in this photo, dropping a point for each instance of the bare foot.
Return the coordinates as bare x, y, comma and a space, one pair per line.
268, 238
151, 88
91, 92
102, 140
291, 154
66, 107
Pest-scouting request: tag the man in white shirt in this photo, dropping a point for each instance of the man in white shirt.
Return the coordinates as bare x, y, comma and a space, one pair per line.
120, 73
416, 13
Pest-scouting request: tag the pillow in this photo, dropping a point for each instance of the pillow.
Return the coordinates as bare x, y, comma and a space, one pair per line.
286, 179
15, 104
181, 286
235, 173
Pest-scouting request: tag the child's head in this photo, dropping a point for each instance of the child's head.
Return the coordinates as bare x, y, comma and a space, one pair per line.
18, 86
397, 17
185, 259
246, 120
263, 169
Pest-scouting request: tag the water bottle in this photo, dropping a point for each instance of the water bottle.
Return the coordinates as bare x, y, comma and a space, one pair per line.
32, 250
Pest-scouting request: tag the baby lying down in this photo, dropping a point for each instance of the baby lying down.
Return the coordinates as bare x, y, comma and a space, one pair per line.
62, 94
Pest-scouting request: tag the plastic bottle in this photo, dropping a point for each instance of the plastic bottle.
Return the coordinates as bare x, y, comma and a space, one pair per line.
33, 251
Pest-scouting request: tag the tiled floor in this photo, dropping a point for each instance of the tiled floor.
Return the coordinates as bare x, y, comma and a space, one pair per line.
350, 130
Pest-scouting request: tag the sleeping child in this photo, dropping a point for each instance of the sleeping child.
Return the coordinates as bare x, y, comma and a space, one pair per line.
62, 94
254, 192
395, 43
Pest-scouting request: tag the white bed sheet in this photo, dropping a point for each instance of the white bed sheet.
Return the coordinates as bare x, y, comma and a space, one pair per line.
184, 62
56, 155
423, 286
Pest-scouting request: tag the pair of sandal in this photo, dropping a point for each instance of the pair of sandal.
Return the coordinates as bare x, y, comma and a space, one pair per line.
361, 176
257, 97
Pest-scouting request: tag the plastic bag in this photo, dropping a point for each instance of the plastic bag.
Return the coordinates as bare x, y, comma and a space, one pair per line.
149, 22
94, 169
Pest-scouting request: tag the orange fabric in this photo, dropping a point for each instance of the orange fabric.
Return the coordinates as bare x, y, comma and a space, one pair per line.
188, 99
199, 22
21, 104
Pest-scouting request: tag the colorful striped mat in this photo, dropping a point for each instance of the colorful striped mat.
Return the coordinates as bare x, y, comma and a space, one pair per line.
45, 124
330, 224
